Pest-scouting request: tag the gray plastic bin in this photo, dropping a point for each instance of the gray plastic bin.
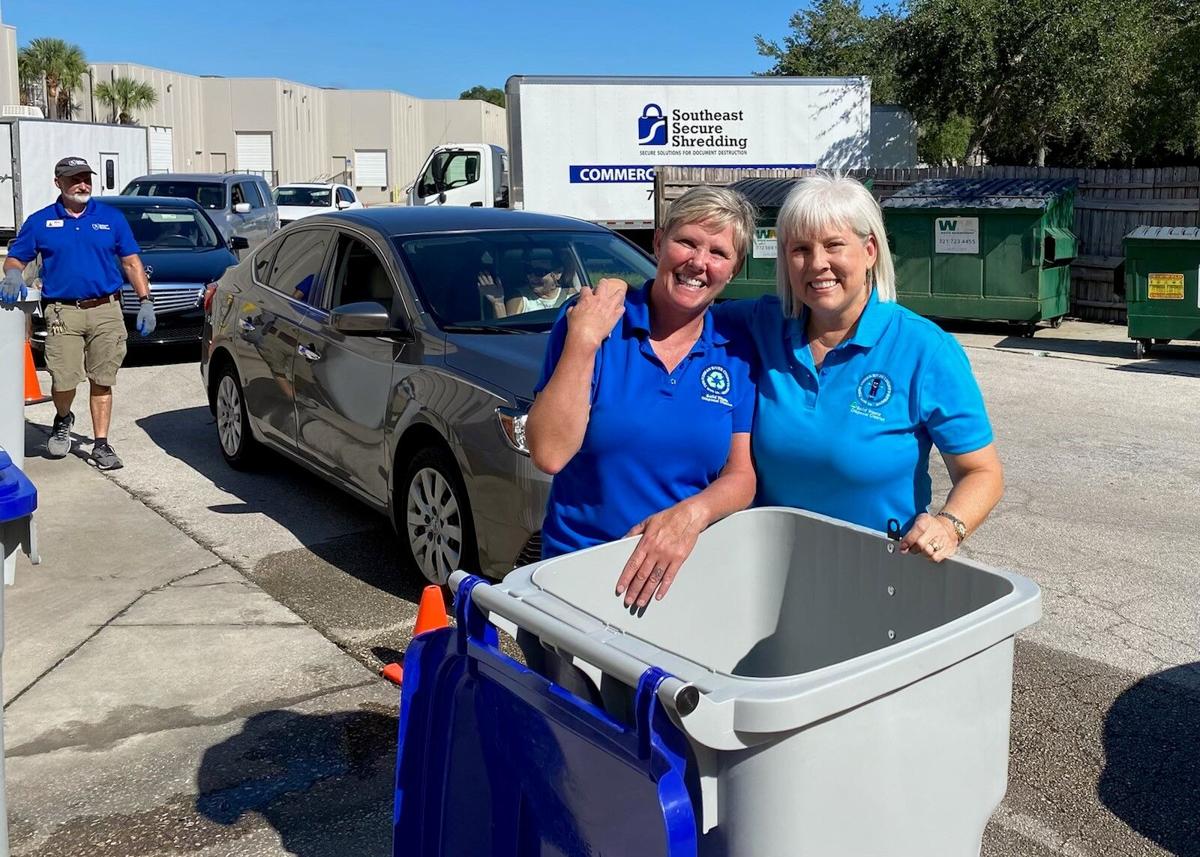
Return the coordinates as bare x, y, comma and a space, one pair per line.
852, 700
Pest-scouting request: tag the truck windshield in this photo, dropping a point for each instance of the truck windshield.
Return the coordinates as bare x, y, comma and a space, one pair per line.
210, 195
170, 229
514, 281
309, 197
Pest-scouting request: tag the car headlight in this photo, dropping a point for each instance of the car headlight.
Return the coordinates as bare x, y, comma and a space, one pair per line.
512, 424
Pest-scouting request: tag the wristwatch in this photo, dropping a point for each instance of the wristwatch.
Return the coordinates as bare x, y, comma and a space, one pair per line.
960, 529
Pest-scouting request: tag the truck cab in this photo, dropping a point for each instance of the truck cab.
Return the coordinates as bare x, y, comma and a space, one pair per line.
471, 174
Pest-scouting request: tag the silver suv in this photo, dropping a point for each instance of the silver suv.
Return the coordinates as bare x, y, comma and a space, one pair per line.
239, 204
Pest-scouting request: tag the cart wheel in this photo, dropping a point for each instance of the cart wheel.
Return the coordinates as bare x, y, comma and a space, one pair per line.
1028, 330
1056, 323
1141, 348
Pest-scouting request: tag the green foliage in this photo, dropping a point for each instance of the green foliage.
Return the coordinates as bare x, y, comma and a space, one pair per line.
483, 93
60, 64
833, 38
942, 143
1079, 82
123, 96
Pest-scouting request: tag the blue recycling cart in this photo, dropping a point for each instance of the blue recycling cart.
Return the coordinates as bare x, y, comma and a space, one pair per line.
494, 759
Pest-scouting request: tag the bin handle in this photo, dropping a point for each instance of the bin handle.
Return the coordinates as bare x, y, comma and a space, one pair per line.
679, 696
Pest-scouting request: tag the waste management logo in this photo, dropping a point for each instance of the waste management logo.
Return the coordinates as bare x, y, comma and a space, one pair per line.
956, 235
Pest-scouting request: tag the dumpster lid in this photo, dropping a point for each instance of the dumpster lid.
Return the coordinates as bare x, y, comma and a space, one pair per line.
18, 497
765, 193
1166, 233
981, 193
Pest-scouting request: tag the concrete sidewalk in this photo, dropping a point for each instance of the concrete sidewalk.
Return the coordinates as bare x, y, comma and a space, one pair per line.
158, 703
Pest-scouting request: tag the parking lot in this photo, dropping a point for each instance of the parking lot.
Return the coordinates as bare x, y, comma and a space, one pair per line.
1103, 484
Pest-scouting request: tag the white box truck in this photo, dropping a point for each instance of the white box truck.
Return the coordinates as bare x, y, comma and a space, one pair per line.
29, 149
588, 146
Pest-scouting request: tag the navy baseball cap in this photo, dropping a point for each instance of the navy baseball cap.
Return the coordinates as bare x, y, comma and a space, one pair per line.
72, 167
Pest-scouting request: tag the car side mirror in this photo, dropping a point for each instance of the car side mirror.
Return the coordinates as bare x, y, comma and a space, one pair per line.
364, 318
239, 242
343, 204
241, 208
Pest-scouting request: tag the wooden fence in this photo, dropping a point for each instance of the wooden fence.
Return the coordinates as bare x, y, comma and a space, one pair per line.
1108, 206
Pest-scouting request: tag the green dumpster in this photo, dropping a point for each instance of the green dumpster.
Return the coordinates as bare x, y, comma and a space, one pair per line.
757, 276
984, 249
1162, 266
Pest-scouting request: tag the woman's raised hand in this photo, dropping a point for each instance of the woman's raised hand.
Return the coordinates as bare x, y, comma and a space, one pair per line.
594, 315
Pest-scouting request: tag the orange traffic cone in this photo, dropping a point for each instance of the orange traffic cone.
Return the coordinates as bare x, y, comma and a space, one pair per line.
33, 388
393, 673
431, 613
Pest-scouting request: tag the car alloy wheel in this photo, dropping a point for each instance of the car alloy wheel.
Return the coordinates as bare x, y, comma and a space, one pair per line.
434, 524
233, 424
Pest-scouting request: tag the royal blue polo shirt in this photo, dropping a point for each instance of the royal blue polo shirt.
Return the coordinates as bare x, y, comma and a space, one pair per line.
81, 256
654, 437
851, 440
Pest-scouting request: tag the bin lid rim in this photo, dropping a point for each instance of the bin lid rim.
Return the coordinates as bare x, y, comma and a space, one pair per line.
987, 193
1166, 233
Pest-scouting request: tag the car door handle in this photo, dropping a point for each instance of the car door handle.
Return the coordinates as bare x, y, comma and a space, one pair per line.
307, 353
246, 325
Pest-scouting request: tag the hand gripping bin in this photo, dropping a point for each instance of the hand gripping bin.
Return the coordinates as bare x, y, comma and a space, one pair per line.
837, 697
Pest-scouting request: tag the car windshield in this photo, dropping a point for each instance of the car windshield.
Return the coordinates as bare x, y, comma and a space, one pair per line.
309, 197
514, 281
210, 195
170, 229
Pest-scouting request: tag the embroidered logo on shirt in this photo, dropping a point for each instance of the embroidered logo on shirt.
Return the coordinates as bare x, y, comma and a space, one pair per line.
716, 383
103, 226
873, 392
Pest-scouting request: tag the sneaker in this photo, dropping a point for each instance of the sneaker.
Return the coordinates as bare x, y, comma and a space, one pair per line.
105, 457
59, 443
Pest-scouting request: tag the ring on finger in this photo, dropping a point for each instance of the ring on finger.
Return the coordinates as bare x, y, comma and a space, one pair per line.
658, 572
937, 546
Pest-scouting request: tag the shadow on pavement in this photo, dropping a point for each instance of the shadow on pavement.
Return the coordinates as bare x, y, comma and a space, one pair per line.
1151, 776
284, 492
322, 782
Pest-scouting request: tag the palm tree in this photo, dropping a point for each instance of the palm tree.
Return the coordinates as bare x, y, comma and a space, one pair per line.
60, 64
124, 95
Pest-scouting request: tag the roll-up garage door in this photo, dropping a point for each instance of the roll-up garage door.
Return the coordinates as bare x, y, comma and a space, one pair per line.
254, 154
370, 168
162, 159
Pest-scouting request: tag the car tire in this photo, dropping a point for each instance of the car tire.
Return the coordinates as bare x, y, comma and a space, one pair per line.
238, 446
433, 516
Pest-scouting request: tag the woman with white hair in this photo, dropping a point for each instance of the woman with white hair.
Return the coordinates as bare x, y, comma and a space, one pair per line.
644, 407
853, 389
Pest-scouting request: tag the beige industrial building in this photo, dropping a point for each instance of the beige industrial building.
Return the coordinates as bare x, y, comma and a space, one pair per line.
375, 140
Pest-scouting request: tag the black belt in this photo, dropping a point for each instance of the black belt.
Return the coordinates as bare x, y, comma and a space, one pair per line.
84, 303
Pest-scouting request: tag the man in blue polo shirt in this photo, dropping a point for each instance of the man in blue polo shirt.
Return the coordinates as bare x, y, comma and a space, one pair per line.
87, 252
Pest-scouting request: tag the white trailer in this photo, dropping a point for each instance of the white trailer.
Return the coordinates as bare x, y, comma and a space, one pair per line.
588, 146
29, 149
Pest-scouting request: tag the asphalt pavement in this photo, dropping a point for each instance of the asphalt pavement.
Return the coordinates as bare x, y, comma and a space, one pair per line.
192, 669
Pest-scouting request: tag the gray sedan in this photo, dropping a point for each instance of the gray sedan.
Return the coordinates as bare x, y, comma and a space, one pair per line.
394, 351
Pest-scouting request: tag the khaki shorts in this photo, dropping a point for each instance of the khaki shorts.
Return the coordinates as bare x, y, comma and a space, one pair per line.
84, 343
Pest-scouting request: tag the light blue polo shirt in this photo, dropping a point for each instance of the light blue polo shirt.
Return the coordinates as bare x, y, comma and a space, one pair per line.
654, 437
80, 255
852, 439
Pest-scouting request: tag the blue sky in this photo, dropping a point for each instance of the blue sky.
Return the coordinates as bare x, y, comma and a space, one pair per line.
430, 49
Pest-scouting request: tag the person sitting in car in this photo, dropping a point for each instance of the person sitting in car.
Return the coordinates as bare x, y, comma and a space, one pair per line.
547, 286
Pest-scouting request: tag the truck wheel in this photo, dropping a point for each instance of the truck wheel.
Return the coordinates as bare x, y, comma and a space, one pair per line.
238, 446
434, 516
